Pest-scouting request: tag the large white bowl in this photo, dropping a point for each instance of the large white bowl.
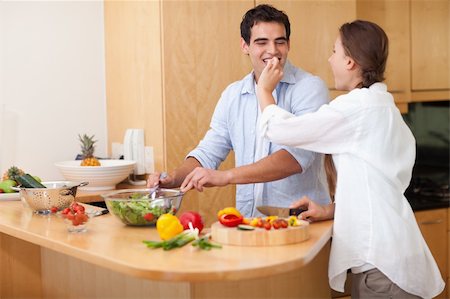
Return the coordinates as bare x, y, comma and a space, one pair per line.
104, 177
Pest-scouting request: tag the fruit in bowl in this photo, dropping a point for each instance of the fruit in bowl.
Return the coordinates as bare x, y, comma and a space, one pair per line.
138, 208
76, 217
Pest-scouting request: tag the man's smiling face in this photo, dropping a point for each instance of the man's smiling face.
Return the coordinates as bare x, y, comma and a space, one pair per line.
268, 39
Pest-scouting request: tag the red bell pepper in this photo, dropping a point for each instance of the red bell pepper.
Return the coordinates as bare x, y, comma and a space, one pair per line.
192, 217
230, 220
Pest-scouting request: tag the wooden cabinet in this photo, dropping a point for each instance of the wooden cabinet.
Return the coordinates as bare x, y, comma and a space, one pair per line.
434, 227
394, 18
430, 49
167, 63
314, 28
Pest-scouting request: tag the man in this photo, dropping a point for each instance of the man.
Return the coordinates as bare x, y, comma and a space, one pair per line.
290, 173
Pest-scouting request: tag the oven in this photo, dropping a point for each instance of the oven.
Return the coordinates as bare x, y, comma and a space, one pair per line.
430, 123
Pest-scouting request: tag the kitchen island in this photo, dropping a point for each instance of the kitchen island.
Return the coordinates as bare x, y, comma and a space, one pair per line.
40, 259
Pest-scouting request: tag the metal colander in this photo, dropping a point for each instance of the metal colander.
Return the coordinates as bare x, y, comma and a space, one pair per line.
58, 194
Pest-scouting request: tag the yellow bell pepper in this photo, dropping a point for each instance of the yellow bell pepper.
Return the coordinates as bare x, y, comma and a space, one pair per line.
168, 226
229, 210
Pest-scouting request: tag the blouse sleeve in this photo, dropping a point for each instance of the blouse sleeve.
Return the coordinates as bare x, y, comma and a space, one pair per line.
325, 131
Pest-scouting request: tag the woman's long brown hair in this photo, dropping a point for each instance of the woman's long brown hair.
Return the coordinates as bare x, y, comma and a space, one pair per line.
330, 170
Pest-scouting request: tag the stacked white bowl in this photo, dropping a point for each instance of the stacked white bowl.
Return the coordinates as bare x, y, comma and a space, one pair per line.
100, 178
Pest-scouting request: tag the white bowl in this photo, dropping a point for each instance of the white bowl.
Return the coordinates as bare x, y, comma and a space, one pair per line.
104, 177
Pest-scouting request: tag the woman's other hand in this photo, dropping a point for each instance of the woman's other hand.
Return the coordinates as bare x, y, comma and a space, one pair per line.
314, 212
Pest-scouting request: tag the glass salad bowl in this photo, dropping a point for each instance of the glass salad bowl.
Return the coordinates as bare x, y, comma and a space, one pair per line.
138, 207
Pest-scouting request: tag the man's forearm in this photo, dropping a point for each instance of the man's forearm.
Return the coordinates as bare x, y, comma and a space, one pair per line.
274, 167
181, 172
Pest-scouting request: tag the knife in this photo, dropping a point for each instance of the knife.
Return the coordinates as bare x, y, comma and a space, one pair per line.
281, 212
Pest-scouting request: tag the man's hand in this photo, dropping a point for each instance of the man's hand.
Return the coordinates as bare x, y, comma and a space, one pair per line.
315, 212
155, 179
202, 177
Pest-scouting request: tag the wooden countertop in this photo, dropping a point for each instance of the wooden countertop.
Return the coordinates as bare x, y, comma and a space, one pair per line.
109, 243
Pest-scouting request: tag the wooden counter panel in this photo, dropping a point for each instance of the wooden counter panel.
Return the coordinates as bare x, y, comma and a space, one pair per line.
20, 268
110, 244
40, 259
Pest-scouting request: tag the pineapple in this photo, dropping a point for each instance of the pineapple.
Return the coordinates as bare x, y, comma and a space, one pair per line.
12, 173
87, 150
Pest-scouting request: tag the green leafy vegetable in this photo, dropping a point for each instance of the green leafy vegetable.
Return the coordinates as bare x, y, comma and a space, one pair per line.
132, 212
205, 244
178, 241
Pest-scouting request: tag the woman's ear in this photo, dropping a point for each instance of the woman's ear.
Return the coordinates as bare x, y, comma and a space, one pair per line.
244, 46
351, 64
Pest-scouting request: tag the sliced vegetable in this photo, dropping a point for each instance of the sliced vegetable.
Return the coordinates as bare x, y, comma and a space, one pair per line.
229, 210
28, 181
230, 220
192, 217
245, 227
168, 226
205, 244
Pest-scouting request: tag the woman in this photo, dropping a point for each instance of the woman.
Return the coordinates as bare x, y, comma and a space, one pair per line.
375, 233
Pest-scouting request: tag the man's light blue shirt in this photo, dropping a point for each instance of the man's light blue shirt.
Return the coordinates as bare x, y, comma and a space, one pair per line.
234, 127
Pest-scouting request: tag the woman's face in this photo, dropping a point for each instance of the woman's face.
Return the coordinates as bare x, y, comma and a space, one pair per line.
339, 63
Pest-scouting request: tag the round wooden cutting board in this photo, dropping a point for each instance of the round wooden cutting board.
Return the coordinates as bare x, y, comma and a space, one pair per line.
259, 236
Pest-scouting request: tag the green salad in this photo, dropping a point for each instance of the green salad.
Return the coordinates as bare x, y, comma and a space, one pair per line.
138, 210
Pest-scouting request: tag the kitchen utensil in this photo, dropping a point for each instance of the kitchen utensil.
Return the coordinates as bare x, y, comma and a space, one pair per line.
259, 236
136, 207
162, 176
57, 194
281, 212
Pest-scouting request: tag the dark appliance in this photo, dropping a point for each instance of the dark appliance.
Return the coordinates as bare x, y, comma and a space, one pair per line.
430, 124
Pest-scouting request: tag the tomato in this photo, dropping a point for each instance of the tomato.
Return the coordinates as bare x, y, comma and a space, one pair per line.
267, 225
230, 220
54, 210
192, 217
81, 218
149, 217
276, 224
65, 211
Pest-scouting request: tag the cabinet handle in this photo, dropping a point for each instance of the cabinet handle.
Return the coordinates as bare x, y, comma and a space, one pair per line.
437, 221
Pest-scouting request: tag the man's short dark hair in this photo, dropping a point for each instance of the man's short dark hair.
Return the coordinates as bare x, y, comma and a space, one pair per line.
263, 13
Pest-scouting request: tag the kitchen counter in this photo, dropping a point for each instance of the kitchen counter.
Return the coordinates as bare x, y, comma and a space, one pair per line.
110, 260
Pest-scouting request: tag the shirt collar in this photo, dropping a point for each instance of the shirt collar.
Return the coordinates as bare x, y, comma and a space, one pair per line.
288, 77
378, 86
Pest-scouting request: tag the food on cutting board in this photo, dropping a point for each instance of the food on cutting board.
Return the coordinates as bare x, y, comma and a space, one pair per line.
15, 176
231, 217
87, 150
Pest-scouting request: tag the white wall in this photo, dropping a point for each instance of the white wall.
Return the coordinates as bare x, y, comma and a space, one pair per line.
52, 83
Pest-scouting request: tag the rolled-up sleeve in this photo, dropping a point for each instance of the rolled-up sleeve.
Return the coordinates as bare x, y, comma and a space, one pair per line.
215, 146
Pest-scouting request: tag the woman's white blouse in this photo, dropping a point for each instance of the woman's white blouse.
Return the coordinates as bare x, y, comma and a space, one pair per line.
374, 152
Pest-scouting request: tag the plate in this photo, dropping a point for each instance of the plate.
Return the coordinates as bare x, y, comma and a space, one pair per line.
9, 196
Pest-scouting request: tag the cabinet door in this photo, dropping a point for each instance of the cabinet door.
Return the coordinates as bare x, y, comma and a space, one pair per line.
394, 18
133, 72
433, 225
314, 28
430, 37
201, 57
